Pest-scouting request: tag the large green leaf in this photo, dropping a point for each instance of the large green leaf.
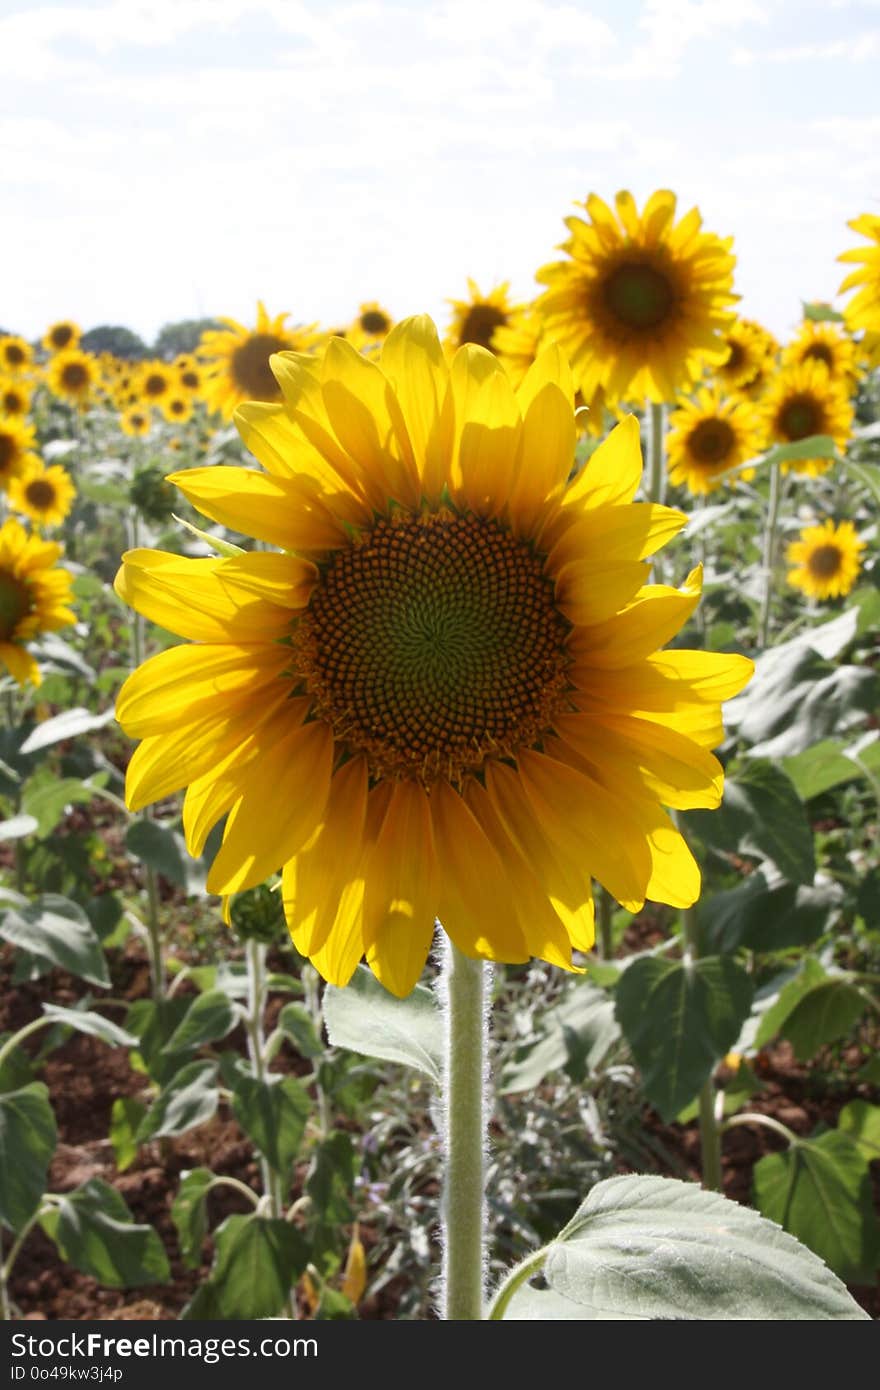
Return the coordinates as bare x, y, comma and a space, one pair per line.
27, 1143
648, 1248
189, 1099
365, 1018
296, 1023
125, 1121
209, 1017
765, 914
70, 724
164, 850
189, 1213
820, 768
761, 815
94, 1232
46, 797
273, 1113
789, 996
820, 1191
94, 1024
825, 1014
153, 1022
57, 930
680, 1018
861, 1122
574, 1034
868, 475
256, 1264
331, 1178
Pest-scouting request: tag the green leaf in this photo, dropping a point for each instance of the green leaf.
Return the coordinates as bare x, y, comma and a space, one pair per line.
296, 1023
826, 1013
165, 851
820, 1191
797, 698
866, 474
27, 1142
762, 917
189, 1099
815, 446
366, 1019
680, 1018
230, 976
861, 1122
94, 1024
868, 899
273, 1114
820, 768
761, 815
741, 1087
16, 1070
125, 1120
189, 1214
57, 930
153, 1023
649, 1248
574, 1034
94, 1231
209, 1017
70, 724
331, 1177
821, 313
47, 797
256, 1264
808, 977
18, 827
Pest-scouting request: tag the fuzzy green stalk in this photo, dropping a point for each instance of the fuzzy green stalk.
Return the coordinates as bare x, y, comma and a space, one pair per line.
769, 552
463, 990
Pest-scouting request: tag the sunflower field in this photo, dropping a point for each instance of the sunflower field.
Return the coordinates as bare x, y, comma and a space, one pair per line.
440, 826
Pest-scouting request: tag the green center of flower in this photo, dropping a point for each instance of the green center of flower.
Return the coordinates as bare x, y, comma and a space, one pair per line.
711, 443
250, 366
800, 417
480, 323
824, 561
74, 376
374, 321
639, 296
40, 494
433, 644
15, 602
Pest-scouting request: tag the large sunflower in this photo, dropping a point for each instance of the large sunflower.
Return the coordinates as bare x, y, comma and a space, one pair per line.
236, 359
17, 442
445, 697
477, 319
863, 310
803, 401
43, 494
749, 346
825, 343
34, 594
707, 436
643, 303
16, 354
826, 560
61, 335
74, 376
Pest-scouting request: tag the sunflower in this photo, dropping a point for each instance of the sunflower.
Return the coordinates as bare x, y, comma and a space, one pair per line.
863, 310
444, 697
827, 560
17, 443
371, 327
236, 359
516, 345
154, 381
61, 336
748, 348
643, 303
189, 374
34, 594
707, 436
477, 318
74, 376
43, 494
16, 354
15, 397
177, 407
825, 343
136, 421
803, 401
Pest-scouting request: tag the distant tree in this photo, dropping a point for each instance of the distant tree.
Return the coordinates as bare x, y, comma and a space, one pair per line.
177, 338
113, 338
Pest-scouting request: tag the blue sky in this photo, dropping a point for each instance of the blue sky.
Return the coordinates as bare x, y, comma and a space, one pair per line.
173, 158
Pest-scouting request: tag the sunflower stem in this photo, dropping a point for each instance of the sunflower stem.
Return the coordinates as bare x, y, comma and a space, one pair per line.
464, 989
769, 552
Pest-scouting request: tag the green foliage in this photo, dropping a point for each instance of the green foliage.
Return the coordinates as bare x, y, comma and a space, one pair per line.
367, 1019
94, 1232
27, 1143
181, 337
122, 342
257, 1261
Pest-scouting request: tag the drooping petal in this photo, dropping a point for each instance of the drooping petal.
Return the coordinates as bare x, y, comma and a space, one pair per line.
400, 894
197, 599
283, 511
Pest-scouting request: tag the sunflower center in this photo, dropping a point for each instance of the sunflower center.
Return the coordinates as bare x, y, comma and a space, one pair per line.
155, 384
13, 403
480, 323
434, 644
40, 494
190, 379
250, 366
824, 562
8, 452
819, 352
15, 602
639, 296
14, 355
800, 417
711, 442
374, 321
75, 376
735, 357
61, 335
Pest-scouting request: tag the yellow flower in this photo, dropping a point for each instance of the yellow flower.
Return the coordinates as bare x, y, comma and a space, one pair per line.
34, 593
154, 381
477, 318
444, 697
136, 420
825, 343
827, 560
863, 310
15, 397
61, 336
371, 327
17, 442
708, 436
749, 346
43, 494
16, 355
236, 359
189, 374
74, 375
643, 302
803, 401
517, 344
177, 407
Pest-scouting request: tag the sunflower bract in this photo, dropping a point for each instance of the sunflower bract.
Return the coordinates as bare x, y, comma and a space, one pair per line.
442, 696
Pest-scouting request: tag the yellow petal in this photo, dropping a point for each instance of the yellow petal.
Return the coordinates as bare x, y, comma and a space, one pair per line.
548, 437
678, 771
283, 511
343, 936
313, 880
655, 615
488, 427
367, 420
613, 472
185, 684
412, 360
197, 599
400, 893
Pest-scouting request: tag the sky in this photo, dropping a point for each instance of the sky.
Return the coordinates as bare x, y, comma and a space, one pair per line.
169, 159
